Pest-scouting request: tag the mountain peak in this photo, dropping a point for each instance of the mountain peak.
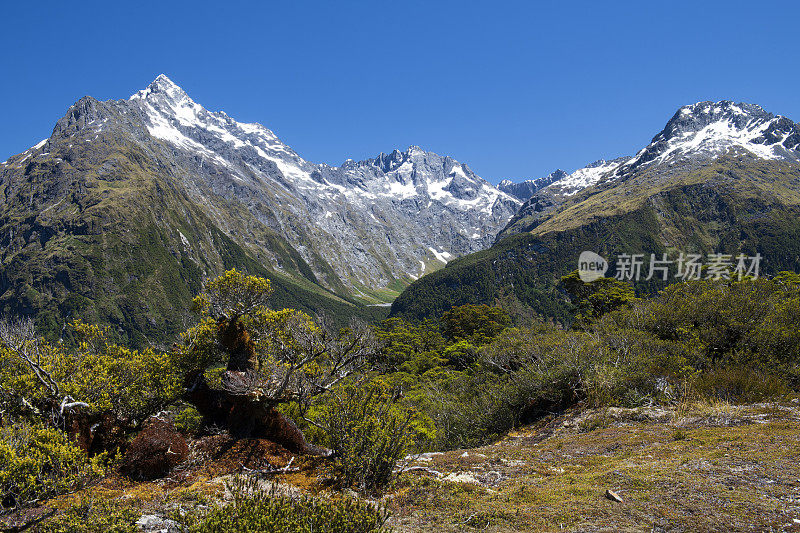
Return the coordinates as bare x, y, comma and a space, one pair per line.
162, 82
525, 189
697, 116
162, 85
706, 130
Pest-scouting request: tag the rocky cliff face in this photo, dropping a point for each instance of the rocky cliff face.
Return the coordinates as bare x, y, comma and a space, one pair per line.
523, 190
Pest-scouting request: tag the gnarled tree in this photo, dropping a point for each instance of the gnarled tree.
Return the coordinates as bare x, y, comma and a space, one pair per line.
270, 357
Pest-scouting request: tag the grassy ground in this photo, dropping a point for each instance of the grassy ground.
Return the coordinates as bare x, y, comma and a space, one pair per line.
698, 468
702, 467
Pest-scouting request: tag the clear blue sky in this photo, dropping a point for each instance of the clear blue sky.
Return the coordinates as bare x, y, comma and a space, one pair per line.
513, 89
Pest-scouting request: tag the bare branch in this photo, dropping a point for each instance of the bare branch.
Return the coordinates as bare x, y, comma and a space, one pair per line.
20, 338
68, 403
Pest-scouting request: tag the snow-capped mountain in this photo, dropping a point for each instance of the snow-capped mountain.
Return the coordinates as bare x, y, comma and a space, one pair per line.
361, 228
695, 136
586, 176
720, 178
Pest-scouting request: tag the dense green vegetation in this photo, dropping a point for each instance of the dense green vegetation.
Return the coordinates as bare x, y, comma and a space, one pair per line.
726, 340
37, 463
372, 395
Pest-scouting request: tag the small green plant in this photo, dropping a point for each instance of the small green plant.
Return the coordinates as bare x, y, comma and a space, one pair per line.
679, 434
255, 509
740, 384
188, 420
598, 421
37, 463
93, 515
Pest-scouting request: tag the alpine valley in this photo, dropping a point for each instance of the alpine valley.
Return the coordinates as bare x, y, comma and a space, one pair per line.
129, 205
120, 214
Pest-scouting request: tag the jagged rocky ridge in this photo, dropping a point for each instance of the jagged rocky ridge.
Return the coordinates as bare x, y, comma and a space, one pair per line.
525, 189
362, 229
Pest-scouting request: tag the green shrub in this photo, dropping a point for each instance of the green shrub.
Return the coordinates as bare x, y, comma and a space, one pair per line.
469, 411
635, 368
597, 421
739, 384
478, 324
461, 354
368, 432
188, 419
255, 509
38, 463
108, 378
523, 375
409, 347
751, 323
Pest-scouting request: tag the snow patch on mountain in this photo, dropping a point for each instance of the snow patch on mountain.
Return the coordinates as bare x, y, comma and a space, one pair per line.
586, 176
527, 188
442, 256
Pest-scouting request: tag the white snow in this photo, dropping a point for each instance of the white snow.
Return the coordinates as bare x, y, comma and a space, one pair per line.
584, 177
442, 256
718, 137
401, 190
458, 170
170, 109
173, 117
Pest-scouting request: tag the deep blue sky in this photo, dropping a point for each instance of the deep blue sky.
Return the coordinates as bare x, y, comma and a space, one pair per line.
514, 89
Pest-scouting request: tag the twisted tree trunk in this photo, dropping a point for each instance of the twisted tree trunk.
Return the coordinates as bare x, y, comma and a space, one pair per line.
236, 341
246, 417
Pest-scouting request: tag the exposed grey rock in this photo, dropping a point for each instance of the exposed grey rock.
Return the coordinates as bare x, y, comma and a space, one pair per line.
151, 523
361, 226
